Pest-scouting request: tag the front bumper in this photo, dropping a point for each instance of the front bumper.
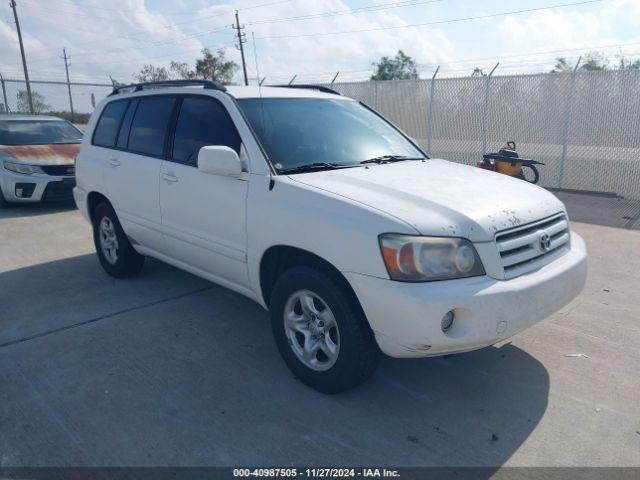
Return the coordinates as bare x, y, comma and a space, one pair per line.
36, 187
405, 317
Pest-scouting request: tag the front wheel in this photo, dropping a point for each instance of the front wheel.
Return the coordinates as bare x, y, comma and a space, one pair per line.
115, 252
321, 331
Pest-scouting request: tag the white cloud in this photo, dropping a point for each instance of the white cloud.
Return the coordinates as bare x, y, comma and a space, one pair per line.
107, 38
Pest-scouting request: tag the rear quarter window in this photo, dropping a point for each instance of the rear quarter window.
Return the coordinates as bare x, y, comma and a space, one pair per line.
109, 123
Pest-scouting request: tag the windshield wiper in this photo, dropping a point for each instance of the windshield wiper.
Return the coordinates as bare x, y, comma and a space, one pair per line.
390, 159
310, 167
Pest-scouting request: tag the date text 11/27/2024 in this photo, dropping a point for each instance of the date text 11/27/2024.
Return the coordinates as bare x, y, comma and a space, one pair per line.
316, 472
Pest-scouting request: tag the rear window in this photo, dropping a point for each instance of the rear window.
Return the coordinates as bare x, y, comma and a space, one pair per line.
38, 132
149, 125
107, 128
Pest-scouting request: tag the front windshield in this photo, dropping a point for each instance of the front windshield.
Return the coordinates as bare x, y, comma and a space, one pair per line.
38, 132
302, 131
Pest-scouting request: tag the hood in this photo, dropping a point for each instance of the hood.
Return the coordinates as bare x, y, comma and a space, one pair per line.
441, 198
41, 154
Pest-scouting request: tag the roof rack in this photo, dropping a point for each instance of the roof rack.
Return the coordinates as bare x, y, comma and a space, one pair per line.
137, 87
320, 88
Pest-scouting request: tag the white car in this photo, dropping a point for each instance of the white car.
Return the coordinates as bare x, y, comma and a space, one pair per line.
37, 156
327, 215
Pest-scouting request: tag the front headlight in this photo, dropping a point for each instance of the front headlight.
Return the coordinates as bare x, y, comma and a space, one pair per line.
424, 259
21, 168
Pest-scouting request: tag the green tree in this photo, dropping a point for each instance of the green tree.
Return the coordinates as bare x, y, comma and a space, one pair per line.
209, 67
39, 104
215, 67
151, 73
595, 61
592, 61
181, 70
624, 64
562, 65
400, 67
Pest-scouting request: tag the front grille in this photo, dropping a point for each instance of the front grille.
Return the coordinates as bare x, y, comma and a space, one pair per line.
522, 249
58, 191
59, 170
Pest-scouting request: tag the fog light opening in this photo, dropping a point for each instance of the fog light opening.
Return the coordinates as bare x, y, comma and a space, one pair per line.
447, 321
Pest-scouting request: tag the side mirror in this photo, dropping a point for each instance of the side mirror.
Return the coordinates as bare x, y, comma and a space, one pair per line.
219, 160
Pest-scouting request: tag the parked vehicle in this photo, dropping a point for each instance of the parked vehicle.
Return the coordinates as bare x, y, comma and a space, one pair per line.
327, 215
37, 155
507, 162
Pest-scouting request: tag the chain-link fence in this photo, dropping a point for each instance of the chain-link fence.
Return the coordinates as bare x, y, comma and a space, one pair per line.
585, 126
52, 97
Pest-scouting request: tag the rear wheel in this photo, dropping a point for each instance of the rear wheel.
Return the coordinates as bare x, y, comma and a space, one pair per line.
529, 174
115, 252
321, 331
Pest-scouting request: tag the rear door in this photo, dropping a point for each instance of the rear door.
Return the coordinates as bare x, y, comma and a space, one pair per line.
203, 215
133, 168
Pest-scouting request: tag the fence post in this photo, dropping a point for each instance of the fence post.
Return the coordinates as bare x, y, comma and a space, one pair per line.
4, 94
567, 121
485, 115
431, 97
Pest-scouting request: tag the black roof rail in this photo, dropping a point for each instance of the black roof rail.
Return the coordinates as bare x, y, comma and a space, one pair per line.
136, 87
320, 88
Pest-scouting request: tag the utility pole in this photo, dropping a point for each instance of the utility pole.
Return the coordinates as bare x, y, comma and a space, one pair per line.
66, 67
12, 4
241, 40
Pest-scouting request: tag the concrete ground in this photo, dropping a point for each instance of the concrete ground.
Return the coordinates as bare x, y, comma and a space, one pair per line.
168, 369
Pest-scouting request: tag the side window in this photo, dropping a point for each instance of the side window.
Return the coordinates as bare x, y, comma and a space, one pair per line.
107, 127
149, 125
202, 121
123, 135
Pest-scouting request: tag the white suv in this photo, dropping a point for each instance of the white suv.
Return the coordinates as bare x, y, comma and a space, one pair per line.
323, 212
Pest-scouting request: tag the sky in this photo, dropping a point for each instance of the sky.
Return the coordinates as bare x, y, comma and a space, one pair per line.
313, 39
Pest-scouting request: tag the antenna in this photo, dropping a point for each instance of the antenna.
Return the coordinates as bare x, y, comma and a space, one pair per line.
255, 58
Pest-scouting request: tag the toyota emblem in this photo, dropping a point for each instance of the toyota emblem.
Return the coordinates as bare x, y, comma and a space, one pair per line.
545, 242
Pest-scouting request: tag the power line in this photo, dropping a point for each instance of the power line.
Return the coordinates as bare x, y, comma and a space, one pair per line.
146, 45
349, 11
376, 7
439, 22
187, 22
165, 55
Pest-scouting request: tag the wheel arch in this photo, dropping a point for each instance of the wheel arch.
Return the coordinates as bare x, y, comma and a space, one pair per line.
93, 200
280, 258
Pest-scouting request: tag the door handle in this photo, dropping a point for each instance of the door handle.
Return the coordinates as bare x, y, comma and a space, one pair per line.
169, 177
114, 162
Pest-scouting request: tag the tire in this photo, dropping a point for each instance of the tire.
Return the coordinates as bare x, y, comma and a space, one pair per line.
3, 202
534, 177
357, 353
115, 252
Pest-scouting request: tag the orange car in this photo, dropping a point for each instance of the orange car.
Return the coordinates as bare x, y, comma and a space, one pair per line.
37, 158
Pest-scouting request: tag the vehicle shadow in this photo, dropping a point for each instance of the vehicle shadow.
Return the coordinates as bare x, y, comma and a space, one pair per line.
14, 210
166, 369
